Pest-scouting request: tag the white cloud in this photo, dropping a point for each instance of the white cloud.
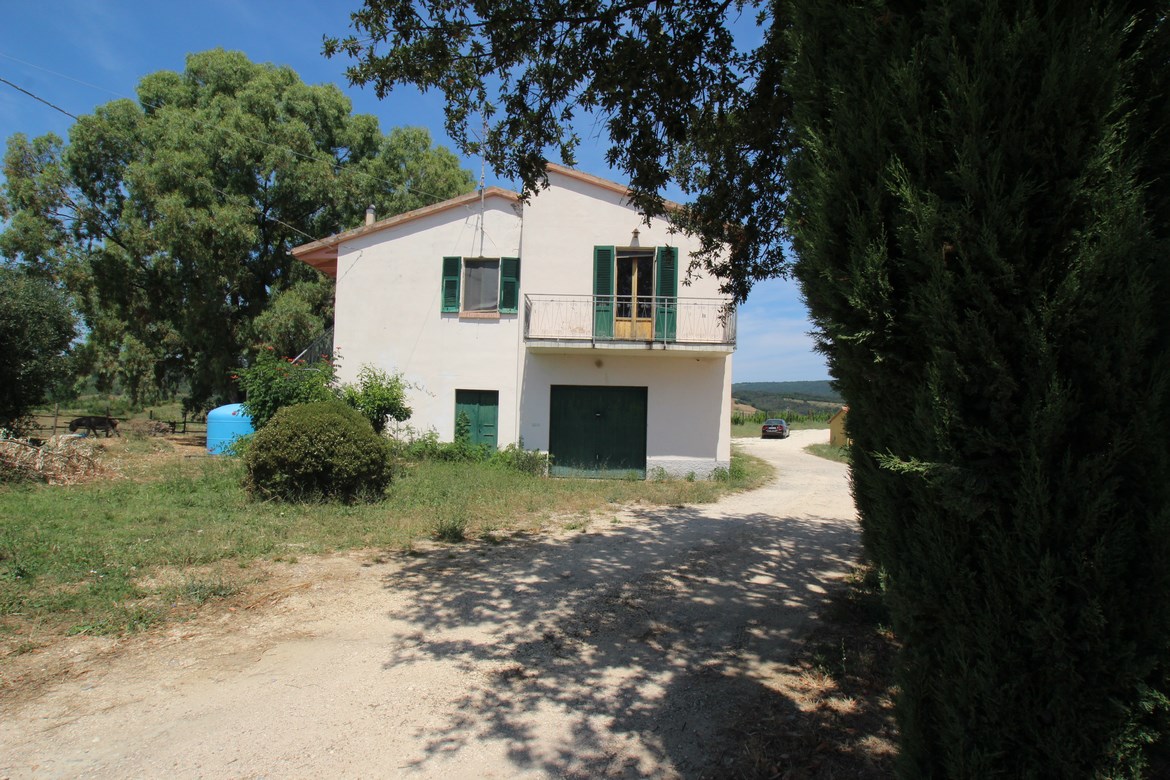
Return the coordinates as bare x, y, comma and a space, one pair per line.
772, 337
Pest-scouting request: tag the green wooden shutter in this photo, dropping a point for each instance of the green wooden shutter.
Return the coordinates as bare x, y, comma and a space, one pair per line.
451, 269
666, 293
509, 285
603, 258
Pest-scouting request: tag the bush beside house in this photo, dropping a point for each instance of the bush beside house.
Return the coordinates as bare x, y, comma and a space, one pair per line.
317, 452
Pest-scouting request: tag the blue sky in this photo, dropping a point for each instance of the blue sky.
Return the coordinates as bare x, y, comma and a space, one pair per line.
78, 54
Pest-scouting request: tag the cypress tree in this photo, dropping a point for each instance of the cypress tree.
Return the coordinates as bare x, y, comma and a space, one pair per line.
976, 193
979, 209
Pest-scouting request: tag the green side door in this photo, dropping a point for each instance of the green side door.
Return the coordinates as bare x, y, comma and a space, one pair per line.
597, 431
482, 408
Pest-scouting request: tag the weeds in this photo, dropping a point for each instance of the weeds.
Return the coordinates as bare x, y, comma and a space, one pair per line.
89, 557
199, 591
62, 460
451, 528
829, 452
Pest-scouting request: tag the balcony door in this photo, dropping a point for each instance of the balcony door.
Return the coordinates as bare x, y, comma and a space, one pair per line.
634, 304
635, 293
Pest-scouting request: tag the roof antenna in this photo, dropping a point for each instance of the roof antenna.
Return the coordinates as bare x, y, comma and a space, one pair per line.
482, 179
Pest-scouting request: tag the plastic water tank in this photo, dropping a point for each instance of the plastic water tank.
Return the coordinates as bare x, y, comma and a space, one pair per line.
225, 424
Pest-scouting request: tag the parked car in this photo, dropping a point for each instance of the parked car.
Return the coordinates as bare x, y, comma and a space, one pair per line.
774, 429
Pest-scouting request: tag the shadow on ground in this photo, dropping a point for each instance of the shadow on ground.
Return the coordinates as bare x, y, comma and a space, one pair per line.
624, 651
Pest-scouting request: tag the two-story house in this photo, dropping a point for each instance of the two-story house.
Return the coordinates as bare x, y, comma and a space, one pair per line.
567, 322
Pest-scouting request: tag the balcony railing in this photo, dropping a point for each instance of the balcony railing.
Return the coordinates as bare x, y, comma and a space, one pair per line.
618, 318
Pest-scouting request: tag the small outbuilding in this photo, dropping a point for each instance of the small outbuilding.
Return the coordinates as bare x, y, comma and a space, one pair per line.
837, 435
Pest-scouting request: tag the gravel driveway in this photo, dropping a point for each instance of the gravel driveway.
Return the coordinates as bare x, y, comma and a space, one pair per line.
618, 651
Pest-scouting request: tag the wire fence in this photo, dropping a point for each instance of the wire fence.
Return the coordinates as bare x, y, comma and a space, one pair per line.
43, 426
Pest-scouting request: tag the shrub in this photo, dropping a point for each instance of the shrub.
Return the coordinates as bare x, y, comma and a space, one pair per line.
450, 527
462, 428
428, 447
273, 382
516, 458
378, 395
317, 452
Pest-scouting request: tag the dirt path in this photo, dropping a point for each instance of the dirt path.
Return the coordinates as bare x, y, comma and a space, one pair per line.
617, 651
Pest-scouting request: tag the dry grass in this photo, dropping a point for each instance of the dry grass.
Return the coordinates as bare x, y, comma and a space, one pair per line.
62, 460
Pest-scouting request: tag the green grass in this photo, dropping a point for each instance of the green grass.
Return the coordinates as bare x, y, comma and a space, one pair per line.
122, 555
829, 452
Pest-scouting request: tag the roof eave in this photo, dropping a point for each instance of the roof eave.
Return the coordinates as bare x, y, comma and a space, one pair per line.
322, 254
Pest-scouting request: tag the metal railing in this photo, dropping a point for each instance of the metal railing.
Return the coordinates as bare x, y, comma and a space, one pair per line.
319, 349
626, 318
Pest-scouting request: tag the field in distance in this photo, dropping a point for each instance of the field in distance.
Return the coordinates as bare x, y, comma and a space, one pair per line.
798, 397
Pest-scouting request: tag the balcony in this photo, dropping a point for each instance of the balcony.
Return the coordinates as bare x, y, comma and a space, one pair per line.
563, 323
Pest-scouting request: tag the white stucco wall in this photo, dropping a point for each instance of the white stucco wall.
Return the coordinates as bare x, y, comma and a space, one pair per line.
388, 313
562, 225
688, 402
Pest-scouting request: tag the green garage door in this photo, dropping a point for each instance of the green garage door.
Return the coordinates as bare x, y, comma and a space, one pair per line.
597, 431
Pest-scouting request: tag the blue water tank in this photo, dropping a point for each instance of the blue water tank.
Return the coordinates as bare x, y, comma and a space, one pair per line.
225, 424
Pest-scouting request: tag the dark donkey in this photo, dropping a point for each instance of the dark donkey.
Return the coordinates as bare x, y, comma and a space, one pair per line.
94, 423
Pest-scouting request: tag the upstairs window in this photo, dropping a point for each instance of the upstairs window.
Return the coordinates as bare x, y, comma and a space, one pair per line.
481, 285
477, 285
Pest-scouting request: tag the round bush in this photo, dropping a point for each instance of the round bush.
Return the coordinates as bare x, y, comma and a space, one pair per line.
321, 451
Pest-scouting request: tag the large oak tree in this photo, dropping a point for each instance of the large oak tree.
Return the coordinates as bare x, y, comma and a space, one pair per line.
170, 217
976, 194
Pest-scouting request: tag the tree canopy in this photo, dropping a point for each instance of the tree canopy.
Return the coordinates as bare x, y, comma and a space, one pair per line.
678, 97
170, 218
36, 329
975, 194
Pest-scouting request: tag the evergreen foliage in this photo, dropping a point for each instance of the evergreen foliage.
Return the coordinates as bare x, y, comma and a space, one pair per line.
36, 328
982, 225
322, 451
976, 193
170, 218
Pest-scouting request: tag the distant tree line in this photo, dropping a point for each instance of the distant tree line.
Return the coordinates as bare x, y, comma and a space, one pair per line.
813, 390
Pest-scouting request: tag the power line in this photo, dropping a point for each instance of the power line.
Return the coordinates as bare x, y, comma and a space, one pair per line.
38, 98
62, 75
212, 187
332, 162
160, 105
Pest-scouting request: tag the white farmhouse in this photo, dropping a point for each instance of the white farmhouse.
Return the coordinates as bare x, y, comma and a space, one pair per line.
566, 322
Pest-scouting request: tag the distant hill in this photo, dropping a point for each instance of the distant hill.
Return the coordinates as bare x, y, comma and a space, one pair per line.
800, 397
820, 390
